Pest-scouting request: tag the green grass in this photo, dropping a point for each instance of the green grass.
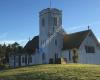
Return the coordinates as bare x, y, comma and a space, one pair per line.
53, 72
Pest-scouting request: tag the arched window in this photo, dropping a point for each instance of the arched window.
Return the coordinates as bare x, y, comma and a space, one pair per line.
55, 42
30, 59
43, 56
55, 21
23, 59
56, 56
43, 22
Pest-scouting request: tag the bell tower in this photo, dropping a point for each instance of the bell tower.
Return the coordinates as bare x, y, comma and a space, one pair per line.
49, 20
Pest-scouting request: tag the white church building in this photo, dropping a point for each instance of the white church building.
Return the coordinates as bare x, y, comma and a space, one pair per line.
54, 46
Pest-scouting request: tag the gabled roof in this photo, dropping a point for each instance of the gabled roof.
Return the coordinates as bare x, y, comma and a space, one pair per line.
70, 41
31, 45
74, 40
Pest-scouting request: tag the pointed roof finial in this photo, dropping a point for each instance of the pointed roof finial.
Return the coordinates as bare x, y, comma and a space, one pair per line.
88, 27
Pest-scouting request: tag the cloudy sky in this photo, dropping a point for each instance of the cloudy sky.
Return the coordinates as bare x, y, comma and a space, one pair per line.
19, 19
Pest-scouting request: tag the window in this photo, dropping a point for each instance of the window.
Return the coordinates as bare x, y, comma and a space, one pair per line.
56, 42
90, 49
17, 59
30, 59
43, 22
69, 55
55, 21
56, 56
23, 60
53, 29
43, 56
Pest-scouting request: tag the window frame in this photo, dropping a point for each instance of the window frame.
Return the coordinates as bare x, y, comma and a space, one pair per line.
55, 21
30, 59
43, 22
56, 55
90, 49
23, 59
56, 42
43, 56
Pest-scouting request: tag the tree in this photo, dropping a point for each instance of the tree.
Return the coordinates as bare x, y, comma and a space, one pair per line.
5, 51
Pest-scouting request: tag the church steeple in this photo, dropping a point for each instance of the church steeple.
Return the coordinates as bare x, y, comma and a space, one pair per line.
49, 20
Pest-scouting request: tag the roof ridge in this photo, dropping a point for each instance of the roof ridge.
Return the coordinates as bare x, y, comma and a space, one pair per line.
80, 32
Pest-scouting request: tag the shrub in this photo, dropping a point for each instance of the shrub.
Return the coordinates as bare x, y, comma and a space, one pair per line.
4, 66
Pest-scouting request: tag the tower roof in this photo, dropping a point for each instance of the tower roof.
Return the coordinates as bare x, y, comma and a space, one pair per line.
48, 10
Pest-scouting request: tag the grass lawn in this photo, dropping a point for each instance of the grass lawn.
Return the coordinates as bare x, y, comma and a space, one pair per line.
53, 72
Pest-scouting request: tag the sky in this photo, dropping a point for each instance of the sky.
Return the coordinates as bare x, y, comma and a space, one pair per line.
19, 19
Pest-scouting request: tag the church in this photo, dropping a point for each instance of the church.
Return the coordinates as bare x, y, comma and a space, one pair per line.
54, 46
